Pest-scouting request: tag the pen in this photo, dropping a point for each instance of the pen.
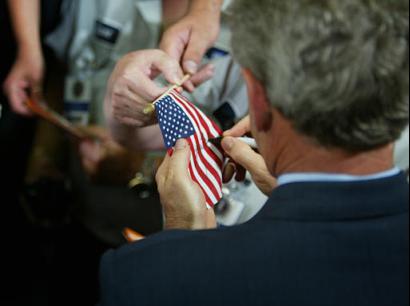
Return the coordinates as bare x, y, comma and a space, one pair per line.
249, 141
150, 108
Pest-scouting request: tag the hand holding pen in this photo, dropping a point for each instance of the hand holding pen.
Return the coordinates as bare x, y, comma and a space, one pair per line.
244, 158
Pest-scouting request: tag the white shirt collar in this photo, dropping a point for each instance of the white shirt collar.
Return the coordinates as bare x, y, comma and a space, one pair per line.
324, 177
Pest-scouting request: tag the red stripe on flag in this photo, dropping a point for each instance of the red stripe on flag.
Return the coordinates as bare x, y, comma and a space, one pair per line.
209, 167
209, 201
210, 153
194, 175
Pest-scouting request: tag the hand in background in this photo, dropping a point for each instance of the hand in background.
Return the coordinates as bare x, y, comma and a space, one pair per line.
131, 87
246, 159
190, 38
105, 161
182, 199
25, 77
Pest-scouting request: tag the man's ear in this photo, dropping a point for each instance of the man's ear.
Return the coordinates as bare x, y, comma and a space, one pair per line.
258, 102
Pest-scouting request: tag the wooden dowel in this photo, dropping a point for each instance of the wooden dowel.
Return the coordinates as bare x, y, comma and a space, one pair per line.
150, 108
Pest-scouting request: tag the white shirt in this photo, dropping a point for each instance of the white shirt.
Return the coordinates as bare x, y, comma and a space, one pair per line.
324, 177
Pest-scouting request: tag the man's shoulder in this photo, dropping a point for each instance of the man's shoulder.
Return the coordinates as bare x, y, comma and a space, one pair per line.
179, 241
167, 260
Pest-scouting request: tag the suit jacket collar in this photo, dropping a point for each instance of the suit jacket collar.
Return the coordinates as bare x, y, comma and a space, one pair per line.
329, 201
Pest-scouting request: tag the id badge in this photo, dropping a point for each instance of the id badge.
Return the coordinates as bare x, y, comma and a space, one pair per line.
77, 99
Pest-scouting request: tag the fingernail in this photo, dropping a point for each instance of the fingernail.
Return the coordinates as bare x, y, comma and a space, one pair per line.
229, 172
181, 144
191, 67
228, 143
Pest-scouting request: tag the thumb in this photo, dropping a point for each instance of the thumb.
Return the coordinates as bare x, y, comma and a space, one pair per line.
240, 129
194, 54
243, 154
169, 67
179, 162
17, 96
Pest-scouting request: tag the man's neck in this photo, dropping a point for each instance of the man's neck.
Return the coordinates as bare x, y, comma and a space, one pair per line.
317, 160
295, 153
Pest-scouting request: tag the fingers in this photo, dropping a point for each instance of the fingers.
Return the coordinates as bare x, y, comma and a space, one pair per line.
145, 88
243, 154
229, 172
205, 74
175, 167
127, 108
134, 74
240, 174
242, 128
183, 201
162, 173
169, 67
232, 169
147, 62
16, 92
174, 41
194, 54
179, 162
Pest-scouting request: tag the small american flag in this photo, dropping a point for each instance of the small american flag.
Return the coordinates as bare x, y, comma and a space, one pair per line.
178, 119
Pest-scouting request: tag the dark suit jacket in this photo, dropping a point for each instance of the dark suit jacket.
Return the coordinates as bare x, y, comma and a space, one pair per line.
316, 244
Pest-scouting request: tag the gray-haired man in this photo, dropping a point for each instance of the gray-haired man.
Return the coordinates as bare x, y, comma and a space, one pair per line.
328, 90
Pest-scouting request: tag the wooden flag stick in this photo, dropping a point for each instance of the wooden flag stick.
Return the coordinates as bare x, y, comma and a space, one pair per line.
41, 110
151, 107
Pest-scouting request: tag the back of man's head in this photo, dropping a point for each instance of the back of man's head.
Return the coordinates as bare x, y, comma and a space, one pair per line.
337, 69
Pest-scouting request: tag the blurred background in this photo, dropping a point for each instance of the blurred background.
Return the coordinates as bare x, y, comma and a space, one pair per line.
65, 201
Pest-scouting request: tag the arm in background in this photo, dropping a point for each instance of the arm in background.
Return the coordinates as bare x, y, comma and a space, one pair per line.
190, 38
28, 70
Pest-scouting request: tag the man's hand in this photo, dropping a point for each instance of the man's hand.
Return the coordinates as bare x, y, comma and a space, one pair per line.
25, 77
183, 202
242, 128
246, 158
131, 87
190, 38
232, 168
105, 161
